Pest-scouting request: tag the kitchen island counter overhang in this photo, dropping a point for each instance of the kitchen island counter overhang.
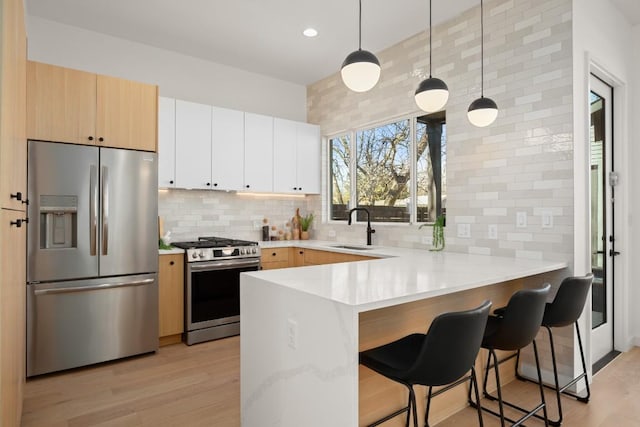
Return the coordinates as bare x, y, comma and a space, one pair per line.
302, 329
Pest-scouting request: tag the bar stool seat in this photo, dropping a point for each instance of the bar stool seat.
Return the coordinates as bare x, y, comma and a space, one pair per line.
442, 356
515, 328
565, 310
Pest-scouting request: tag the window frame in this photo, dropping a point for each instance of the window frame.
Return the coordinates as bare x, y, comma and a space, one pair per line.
352, 134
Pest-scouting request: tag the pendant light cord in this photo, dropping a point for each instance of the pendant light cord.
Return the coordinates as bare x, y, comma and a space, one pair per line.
360, 27
481, 50
430, 38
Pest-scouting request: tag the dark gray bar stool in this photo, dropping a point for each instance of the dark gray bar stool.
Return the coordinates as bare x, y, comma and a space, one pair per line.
565, 309
513, 328
442, 356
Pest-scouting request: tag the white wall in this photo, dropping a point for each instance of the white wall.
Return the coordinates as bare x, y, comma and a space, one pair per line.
177, 75
602, 42
634, 235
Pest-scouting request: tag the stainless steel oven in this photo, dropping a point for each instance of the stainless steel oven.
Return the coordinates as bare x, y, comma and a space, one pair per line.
212, 286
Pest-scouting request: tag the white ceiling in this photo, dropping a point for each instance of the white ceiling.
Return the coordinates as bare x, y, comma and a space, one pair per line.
262, 36
629, 8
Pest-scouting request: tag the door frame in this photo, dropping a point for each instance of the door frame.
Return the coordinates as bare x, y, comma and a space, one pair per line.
621, 159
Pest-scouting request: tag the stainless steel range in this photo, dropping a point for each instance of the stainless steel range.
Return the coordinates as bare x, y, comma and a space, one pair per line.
212, 285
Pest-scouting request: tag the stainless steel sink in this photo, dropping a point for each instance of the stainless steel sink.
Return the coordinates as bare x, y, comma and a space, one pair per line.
352, 247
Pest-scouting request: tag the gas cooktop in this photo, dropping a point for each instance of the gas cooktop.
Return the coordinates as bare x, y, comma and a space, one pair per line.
210, 248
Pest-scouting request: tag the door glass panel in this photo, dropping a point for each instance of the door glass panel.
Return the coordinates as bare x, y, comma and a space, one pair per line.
598, 217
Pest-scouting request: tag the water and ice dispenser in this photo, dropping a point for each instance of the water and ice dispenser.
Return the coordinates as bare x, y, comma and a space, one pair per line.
58, 222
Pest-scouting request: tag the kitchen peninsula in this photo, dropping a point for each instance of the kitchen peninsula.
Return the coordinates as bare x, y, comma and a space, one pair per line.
302, 328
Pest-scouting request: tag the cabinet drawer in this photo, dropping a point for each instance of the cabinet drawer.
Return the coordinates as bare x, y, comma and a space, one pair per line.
275, 255
273, 265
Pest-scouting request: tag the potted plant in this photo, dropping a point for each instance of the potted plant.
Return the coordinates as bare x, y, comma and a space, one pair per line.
305, 223
437, 243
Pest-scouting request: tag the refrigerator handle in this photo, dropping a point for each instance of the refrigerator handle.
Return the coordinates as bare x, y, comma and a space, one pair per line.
93, 210
105, 210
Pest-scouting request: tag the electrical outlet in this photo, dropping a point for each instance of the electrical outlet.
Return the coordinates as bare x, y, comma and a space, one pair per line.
521, 219
464, 231
292, 333
493, 231
427, 240
547, 218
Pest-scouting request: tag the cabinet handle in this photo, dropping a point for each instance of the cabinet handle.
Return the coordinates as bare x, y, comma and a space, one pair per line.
208, 184
101, 139
171, 262
18, 197
295, 188
300, 188
171, 182
247, 186
301, 252
215, 184
273, 254
90, 138
18, 222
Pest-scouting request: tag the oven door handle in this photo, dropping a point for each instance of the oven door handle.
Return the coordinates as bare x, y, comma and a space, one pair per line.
222, 265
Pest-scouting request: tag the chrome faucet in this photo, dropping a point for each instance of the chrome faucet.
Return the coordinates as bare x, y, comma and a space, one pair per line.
370, 230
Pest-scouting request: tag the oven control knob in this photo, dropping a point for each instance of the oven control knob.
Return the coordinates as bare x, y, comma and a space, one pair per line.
201, 254
194, 255
253, 250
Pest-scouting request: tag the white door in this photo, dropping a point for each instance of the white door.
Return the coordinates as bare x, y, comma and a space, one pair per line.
166, 142
309, 158
258, 153
602, 236
193, 145
284, 156
227, 150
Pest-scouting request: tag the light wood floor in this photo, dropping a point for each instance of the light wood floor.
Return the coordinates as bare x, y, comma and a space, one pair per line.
199, 386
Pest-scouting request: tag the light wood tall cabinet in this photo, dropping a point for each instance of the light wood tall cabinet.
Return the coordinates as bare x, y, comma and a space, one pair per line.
171, 298
66, 105
13, 180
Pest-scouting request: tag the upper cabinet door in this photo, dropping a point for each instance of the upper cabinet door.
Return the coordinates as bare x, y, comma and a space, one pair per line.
258, 152
166, 142
61, 104
127, 114
284, 156
227, 162
308, 158
193, 139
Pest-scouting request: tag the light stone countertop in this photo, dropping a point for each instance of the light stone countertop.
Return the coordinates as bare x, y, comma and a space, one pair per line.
170, 251
401, 276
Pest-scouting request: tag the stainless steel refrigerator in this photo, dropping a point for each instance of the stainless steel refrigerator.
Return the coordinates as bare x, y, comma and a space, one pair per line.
92, 259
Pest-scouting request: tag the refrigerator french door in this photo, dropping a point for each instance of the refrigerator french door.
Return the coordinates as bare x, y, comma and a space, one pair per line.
92, 292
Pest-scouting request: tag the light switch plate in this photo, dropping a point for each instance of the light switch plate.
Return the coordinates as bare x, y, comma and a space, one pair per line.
464, 231
521, 219
547, 218
493, 231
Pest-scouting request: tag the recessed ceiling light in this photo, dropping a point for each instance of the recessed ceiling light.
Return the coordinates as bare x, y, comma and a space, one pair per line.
310, 32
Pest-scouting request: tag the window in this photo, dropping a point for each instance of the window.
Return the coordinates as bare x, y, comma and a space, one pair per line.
383, 171
340, 160
380, 163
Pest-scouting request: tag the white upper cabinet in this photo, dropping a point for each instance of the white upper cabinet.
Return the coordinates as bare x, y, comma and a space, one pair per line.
193, 142
258, 153
297, 157
227, 162
285, 143
166, 142
308, 158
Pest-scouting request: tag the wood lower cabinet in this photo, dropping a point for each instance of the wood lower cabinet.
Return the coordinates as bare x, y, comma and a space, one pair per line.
171, 296
66, 105
275, 258
297, 257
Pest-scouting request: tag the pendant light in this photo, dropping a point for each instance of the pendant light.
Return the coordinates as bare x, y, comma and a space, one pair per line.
483, 111
432, 93
361, 69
